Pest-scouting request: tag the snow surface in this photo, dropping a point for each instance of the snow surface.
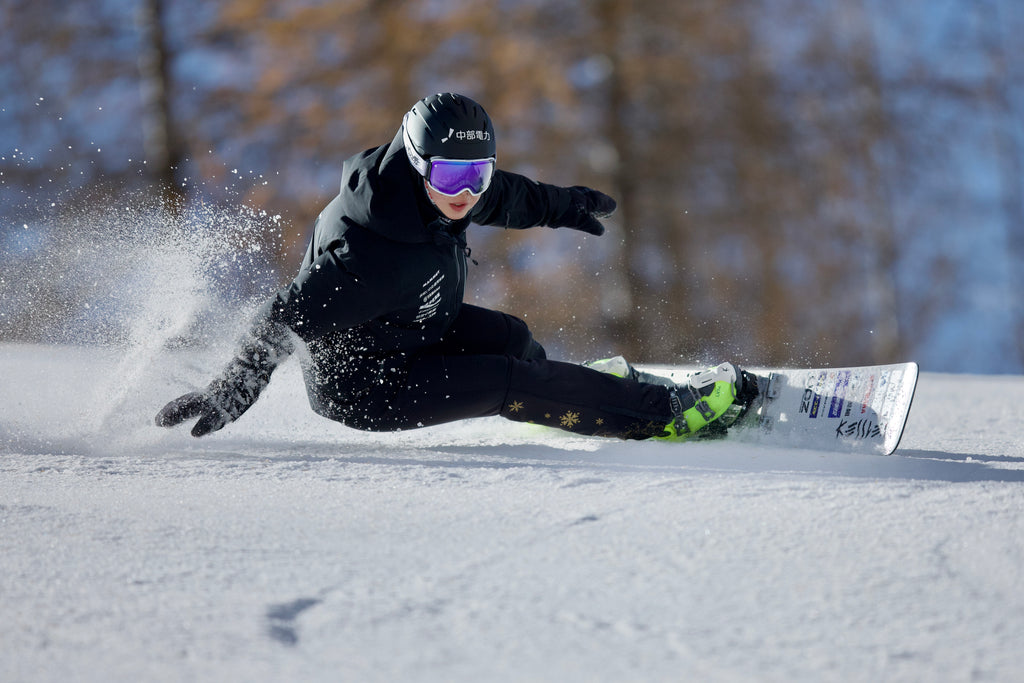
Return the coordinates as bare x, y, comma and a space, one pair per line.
287, 547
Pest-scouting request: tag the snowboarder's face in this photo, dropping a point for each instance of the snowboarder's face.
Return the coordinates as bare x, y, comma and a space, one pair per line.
455, 207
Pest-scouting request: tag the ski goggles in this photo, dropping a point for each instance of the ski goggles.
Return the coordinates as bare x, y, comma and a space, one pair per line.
451, 177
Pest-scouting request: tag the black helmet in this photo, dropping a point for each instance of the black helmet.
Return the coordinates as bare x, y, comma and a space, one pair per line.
447, 125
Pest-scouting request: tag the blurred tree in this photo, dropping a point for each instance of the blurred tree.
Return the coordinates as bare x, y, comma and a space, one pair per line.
785, 186
846, 204
684, 95
58, 89
165, 153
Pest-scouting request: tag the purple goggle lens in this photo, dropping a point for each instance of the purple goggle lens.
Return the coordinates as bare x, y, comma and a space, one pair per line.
452, 176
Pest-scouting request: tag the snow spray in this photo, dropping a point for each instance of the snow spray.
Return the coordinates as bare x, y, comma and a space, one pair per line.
161, 295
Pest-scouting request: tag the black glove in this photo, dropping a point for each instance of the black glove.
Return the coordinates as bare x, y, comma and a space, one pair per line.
223, 401
227, 397
590, 206
196, 404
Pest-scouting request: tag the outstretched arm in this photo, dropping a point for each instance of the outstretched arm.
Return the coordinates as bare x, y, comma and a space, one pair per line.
515, 201
239, 385
324, 297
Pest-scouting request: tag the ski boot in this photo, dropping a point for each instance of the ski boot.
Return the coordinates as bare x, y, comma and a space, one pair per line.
706, 405
710, 402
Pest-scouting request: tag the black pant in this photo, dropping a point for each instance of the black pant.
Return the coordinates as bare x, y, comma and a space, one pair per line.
487, 364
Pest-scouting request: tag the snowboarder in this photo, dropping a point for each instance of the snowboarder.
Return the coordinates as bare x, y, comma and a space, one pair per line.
378, 305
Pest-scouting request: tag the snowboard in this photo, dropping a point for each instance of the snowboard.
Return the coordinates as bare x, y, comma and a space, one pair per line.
858, 409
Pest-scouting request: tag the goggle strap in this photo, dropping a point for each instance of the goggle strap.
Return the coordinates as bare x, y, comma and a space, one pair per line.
421, 165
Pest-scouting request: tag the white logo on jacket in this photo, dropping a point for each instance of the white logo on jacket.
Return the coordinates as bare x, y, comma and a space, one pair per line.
431, 297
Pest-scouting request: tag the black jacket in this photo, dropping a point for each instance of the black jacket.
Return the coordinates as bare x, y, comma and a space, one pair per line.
385, 271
